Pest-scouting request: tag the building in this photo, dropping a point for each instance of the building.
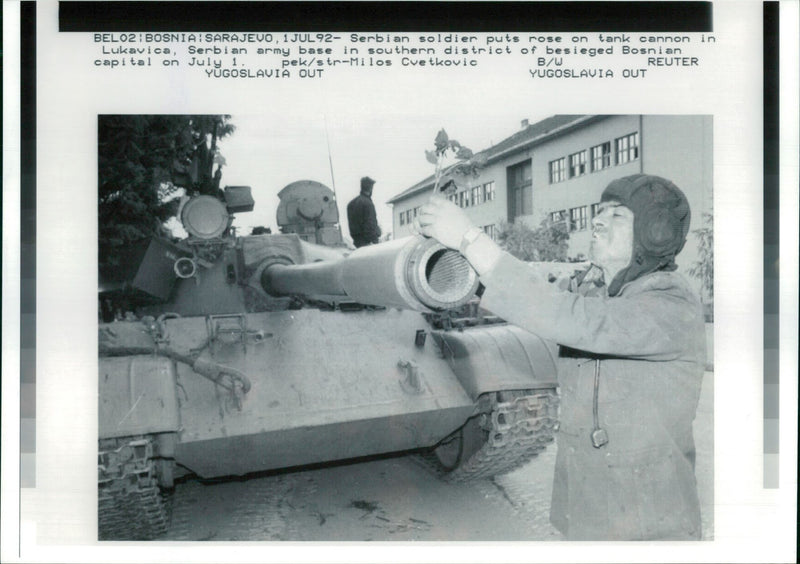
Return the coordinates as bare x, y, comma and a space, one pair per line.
557, 168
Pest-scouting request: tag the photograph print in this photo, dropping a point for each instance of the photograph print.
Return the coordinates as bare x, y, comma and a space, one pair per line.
514, 345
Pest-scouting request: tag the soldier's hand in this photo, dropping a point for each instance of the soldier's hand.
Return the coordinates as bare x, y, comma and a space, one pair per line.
444, 221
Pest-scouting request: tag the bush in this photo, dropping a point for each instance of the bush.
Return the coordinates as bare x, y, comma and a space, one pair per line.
548, 242
703, 268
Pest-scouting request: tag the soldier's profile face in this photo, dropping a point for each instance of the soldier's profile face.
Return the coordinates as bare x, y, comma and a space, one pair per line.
612, 236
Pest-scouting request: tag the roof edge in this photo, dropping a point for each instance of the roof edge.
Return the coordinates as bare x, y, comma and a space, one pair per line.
545, 136
428, 182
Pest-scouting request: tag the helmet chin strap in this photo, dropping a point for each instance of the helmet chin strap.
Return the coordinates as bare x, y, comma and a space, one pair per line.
641, 264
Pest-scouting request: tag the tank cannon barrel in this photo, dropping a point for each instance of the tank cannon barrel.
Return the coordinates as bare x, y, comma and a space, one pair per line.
411, 273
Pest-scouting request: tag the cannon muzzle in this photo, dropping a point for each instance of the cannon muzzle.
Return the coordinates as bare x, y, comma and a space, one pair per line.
411, 273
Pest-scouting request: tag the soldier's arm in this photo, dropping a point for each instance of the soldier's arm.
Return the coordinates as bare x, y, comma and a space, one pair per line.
656, 324
371, 222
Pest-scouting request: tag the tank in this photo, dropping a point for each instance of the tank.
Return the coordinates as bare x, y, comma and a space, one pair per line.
274, 351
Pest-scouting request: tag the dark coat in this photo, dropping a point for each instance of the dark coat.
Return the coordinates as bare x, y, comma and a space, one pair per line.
649, 342
362, 221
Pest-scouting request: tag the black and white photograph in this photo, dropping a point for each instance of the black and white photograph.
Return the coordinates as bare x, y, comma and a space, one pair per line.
231, 347
400, 282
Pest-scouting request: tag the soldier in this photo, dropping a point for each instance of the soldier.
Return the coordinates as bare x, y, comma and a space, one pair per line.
632, 355
361, 216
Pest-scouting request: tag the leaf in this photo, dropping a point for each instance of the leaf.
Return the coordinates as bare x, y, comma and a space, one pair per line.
460, 169
455, 145
431, 156
441, 141
480, 160
464, 153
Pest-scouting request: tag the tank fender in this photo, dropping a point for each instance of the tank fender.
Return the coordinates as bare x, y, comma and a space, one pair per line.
498, 357
138, 396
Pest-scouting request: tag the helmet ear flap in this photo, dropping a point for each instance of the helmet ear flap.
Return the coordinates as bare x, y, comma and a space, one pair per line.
658, 230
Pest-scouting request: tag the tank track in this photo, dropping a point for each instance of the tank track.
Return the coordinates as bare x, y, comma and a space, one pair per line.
130, 504
519, 426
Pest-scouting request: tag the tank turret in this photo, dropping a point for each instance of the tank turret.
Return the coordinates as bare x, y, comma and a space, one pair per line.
309, 209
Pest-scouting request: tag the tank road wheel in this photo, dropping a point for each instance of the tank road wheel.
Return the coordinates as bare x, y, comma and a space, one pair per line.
130, 505
461, 445
512, 428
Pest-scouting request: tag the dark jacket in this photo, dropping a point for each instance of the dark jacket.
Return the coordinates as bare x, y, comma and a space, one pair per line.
649, 342
362, 221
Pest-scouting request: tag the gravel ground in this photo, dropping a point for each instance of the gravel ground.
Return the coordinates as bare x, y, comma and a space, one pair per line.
530, 493
396, 499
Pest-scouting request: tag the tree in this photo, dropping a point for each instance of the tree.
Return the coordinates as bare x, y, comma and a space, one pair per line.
703, 267
142, 162
548, 242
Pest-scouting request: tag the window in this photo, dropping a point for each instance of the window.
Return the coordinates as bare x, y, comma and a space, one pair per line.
558, 170
453, 198
520, 189
463, 199
491, 231
477, 194
488, 191
601, 156
627, 148
416, 211
558, 216
577, 164
578, 218
402, 218
595, 209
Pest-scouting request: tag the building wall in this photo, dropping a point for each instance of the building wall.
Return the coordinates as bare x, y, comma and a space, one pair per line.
583, 190
486, 213
676, 147
680, 148
399, 231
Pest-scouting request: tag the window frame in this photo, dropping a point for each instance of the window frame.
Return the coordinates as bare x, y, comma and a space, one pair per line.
601, 156
557, 170
558, 216
579, 221
631, 145
476, 194
580, 156
489, 189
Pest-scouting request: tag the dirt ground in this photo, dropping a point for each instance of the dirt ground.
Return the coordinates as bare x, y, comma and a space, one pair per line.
396, 499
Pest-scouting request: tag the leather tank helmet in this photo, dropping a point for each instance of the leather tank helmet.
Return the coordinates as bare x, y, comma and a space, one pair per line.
661, 217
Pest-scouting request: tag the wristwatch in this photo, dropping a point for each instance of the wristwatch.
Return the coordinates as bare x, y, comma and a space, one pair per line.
469, 237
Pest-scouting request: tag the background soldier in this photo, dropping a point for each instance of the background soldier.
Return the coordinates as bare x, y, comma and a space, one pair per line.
361, 216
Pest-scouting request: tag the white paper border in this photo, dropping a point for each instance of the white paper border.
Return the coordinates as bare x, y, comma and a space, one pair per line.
751, 524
